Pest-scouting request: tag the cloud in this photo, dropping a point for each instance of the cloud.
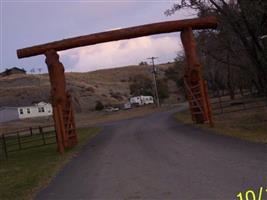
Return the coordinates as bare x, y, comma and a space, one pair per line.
121, 53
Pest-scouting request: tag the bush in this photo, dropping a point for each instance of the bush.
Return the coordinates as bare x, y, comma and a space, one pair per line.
90, 89
141, 85
143, 63
163, 90
99, 106
117, 96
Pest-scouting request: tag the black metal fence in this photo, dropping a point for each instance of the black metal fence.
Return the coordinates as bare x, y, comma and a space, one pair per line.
32, 137
221, 105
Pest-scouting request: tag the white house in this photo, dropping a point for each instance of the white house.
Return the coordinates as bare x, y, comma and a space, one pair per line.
38, 110
141, 100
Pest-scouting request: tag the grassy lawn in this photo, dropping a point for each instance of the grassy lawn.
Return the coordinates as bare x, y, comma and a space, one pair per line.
248, 125
26, 172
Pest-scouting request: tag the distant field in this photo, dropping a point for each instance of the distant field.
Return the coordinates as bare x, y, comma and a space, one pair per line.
26, 172
250, 124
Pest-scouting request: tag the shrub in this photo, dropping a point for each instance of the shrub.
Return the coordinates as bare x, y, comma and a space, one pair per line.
163, 90
141, 85
143, 63
116, 95
90, 89
99, 106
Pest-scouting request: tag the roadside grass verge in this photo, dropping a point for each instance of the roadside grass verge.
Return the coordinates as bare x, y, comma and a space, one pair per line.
249, 125
26, 172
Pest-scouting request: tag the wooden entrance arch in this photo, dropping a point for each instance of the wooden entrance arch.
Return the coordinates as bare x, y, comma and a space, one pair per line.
61, 100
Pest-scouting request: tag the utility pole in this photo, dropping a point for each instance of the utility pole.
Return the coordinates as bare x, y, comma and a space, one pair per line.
154, 78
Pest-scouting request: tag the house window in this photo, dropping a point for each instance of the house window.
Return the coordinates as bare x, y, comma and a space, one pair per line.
21, 111
40, 109
28, 110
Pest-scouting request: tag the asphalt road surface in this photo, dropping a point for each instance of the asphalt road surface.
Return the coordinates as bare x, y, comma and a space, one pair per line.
155, 157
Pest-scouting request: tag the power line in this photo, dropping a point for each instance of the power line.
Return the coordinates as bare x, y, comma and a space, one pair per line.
154, 78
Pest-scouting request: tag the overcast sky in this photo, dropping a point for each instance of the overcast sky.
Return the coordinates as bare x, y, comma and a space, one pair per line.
27, 23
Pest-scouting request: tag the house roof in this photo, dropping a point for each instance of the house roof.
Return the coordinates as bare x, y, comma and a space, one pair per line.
25, 105
14, 68
42, 103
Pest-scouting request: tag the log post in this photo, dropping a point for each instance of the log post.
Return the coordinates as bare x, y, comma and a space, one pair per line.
200, 110
58, 95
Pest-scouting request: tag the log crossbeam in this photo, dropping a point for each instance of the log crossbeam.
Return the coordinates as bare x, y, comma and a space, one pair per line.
120, 34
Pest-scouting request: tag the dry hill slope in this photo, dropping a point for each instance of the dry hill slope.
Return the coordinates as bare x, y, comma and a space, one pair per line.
110, 86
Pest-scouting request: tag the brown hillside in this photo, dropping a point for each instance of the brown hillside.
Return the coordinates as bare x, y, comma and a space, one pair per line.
110, 86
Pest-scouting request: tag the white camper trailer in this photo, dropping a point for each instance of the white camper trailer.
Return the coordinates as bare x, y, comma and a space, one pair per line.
141, 100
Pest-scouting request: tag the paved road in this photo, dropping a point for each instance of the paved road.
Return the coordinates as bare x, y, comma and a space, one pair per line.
156, 158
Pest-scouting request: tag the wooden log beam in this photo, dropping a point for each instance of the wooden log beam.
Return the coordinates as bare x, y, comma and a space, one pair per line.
120, 34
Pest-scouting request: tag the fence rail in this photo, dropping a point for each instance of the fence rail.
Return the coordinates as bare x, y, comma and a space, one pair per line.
24, 139
241, 104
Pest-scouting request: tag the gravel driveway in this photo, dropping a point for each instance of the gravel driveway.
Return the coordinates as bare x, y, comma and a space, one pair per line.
155, 157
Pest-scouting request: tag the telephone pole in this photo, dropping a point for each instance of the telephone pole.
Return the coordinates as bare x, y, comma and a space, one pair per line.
154, 78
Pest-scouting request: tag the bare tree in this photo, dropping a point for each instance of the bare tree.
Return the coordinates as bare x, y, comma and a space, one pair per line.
242, 25
32, 70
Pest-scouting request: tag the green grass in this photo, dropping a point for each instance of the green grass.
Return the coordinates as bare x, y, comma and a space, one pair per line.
249, 125
28, 171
